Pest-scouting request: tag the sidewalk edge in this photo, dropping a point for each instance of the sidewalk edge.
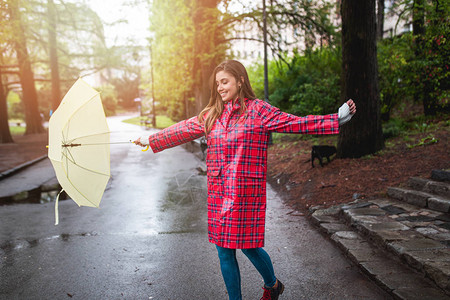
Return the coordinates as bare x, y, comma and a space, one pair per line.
14, 170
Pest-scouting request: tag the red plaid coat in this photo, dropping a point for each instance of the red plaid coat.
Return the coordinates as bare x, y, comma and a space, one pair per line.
237, 163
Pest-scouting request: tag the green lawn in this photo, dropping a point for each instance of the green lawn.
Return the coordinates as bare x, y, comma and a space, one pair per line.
17, 130
161, 121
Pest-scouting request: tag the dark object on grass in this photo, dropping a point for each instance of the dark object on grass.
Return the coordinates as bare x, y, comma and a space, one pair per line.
320, 152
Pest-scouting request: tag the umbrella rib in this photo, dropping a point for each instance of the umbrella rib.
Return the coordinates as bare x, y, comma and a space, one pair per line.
85, 136
84, 168
73, 158
81, 192
73, 185
67, 160
81, 106
92, 98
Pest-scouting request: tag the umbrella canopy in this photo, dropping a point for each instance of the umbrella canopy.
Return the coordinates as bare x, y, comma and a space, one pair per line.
79, 145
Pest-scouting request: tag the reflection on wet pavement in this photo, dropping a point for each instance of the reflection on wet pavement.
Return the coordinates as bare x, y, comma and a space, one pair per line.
185, 188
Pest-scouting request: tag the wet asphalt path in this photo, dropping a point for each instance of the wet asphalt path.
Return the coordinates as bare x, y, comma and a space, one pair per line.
149, 241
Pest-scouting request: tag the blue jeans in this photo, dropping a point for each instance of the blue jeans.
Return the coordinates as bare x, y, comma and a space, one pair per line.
230, 269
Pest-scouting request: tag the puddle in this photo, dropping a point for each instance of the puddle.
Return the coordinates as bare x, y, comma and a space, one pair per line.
38, 196
15, 245
176, 232
185, 189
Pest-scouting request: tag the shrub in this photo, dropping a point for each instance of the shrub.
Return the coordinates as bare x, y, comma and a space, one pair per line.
109, 99
308, 84
393, 128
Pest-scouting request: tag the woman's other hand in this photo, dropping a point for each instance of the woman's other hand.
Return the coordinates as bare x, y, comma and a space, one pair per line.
346, 112
352, 106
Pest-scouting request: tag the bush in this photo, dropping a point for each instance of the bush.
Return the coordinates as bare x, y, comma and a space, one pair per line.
109, 99
393, 128
416, 67
308, 84
395, 73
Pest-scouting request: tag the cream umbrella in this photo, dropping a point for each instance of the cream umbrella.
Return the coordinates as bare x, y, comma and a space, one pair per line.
79, 146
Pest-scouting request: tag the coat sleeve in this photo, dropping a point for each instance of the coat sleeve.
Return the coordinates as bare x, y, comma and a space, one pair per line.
275, 120
177, 134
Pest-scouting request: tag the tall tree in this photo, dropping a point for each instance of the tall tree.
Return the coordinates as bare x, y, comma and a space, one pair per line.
432, 82
5, 135
53, 55
380, 19
208, 51
172, 54
363, 135
419, 18
309, 23
29, 94
419, 35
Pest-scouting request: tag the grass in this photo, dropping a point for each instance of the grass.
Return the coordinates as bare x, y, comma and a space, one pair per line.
161, 121
17, 130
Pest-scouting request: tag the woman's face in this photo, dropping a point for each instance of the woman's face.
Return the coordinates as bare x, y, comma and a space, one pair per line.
227, 87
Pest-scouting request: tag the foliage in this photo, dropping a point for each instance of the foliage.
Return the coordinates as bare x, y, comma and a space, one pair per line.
428, 140
127, 89
403, 75
309, 86
191, 37
425, 67
396, 77
256, 76
81, 48
433, 72
393, 127
309, 21
161, 121
300, 24
109, 99
172, 48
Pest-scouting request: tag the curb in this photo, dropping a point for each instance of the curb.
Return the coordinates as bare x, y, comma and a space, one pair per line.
14, 170
368, 237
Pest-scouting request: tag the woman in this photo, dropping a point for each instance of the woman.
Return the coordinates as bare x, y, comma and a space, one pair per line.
237, 128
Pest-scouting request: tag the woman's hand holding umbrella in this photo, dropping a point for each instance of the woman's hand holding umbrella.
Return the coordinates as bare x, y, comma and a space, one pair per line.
143, 141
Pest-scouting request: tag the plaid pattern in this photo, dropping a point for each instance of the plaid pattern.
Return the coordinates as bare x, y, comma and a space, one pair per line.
237, 164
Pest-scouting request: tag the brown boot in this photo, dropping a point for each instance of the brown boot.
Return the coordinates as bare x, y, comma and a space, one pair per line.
273, 293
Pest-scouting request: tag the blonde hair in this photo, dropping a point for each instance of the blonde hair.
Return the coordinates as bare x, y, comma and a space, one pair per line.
214, 109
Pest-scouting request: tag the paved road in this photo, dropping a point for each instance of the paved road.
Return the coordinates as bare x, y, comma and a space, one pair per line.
149, 241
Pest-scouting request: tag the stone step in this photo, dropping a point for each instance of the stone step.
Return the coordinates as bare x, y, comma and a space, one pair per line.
420, 199
388, 271
441, 175
437, 188
414, 235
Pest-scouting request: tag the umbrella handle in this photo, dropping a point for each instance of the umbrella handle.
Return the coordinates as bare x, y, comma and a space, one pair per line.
143, 150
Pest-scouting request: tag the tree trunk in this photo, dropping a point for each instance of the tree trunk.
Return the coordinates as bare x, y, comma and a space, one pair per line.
5, 134
363, 134
380, 19
206, 54
29, 95
54, 69
419, 18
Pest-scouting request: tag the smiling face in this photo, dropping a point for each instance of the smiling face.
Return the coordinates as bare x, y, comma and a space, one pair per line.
227, 87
